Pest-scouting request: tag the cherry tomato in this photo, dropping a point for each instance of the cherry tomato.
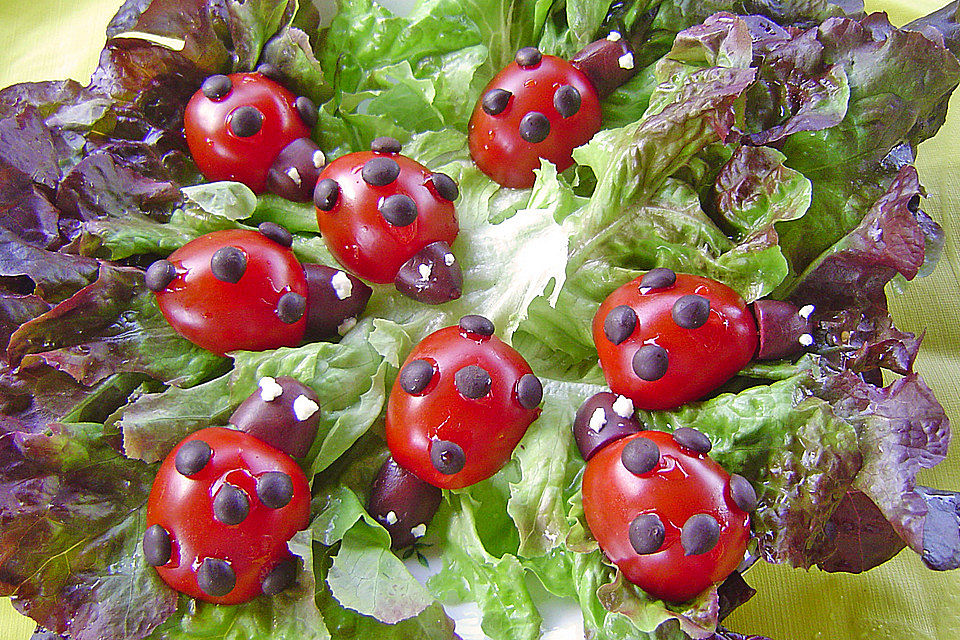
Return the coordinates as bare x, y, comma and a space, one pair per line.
232, 289
237, 125
666, 339
220, 513
667, 514
461, 403
538, 106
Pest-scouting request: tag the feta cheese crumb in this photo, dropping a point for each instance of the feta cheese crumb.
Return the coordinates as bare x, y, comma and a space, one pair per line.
875, 233
623, 407
425, 271
449, 259
806, 339
319, 159
419, 531
341, 284
390, 518
626, 61
806, 311
346, 325
304, 407
598, 420
294, 175
269, 389
614, 36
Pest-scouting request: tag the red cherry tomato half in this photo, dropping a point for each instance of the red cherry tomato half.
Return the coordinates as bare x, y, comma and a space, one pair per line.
666, 339
461, 403
220, 513
666, 515
232, 289
376, 209
236, 126
537, 107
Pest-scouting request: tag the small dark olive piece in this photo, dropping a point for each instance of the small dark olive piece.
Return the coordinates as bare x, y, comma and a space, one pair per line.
216, 87
399, 210
743, 493
699, 534
380, 171
472, 382
640, 456
478, 325
528, 56
650, 362
275, 232
231, 505
691, 311
601, 419
403, 503
647, 533
495, 101
270, 71
216, 577
192, 457
228, 264
326, 194
446, 186
431, 276
529, 391
619, 323
281, 577
275, 489
534, 127
693, 439
447, 457
659, 278
307, 110
157, 546
246, 121
415, 376
385, 144
291, 307
566, 100
159, 275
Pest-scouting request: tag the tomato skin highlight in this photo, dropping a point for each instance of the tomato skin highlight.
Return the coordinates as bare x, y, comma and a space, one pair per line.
700, 359
222, 316
496, 144
219, 153
356, 232
684, 484
182, 506
487, 429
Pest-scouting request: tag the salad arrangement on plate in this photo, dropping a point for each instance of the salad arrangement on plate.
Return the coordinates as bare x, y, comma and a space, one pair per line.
767, 147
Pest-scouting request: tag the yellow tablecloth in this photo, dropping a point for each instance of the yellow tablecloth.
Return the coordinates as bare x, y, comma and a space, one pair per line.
55, 39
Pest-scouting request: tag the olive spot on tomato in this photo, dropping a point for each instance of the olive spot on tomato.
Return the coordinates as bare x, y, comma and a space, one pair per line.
743, 493
447, 457
270, 71
619, 323
700, 534
566, 100
399, 210
477, 324
528, 56
275, 489
415, 376
326, 194
281, 577
650, 362
379, 172
307, 110
646, 533
159, 275
216, 87
691, 311
640, 455
445, 185
157, 546
472, 382
275, 232
913, 204
529, 391
228, 264
246, 121
495, 101
192, 457
534, 127
291, 307
216, 577
692, 439
231, 505
385, 144
659, 278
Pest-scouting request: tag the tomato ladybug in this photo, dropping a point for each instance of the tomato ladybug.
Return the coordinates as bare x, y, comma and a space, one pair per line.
461, 403
543, 107
665, 339
225, 502
248, 128
245, 289
388, 218
671, 518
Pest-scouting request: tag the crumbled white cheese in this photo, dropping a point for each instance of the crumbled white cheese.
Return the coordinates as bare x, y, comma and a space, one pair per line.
806, 311
875, 233
294, 175
419, 531
390, 518
341, 285
623, 407
304, 407
598, 420
626, 61
425, 271
269, 389
806, 339
319, 159
449, 259
346, 325
614, 36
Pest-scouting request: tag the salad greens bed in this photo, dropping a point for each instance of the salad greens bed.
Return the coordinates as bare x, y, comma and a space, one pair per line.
783, 171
